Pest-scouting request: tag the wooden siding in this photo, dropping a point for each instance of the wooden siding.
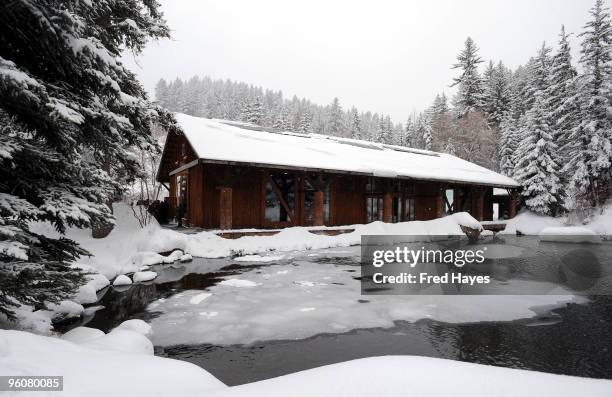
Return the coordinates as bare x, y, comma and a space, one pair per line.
347, 197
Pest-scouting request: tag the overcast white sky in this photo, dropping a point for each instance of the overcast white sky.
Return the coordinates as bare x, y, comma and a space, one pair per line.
389, 57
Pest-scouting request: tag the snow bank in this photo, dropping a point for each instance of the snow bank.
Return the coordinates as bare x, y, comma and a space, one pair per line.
96, 371
209, 245
419, 376
527, 222
569, 234
123, 340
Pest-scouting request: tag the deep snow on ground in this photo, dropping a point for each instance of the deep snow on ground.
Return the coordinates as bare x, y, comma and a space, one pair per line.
117, 369
308, 297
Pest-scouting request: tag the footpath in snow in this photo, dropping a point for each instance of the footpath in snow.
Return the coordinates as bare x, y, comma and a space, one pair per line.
121, 363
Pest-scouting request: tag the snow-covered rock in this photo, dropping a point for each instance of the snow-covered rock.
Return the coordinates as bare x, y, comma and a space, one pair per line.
186, 258
122, 279
173, 257
123, 340
66, 310
569, 234
140, 277
136, 325
97, 280
145, 258
82, 334
86, 294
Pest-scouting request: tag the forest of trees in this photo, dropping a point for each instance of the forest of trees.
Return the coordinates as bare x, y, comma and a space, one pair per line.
546, 123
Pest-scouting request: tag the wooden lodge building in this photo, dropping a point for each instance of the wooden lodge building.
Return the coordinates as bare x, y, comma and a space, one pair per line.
231, 175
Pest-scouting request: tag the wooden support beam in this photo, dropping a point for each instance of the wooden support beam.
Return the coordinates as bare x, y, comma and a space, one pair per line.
318, 208
513, 203
225, 208
478, 203
387, 208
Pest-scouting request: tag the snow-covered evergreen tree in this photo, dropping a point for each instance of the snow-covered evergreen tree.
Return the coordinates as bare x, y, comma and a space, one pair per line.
335, 126
496, 99
470, 88
590, 153
161, 93
562, 102
305, 123
507, 145
355, 124
70, 116
537, 168
254, 112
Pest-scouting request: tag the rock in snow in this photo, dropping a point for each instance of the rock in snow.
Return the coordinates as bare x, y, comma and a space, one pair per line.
82, 334
123, 340
137, 326
173, 257
186, 258
140, 277
122, 279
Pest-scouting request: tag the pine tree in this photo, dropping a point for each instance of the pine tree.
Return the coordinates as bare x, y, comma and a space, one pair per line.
254, 112
161, 92
496, 98
470, 94
71, 116
562, 101
305, 123
591, 151
439, 106
335, 118
507, 145
355, 124
537, 168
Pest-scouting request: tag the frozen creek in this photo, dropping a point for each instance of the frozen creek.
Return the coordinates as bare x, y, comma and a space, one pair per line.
245, 320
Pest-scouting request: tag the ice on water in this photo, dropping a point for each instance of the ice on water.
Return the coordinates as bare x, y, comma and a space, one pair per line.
303, 298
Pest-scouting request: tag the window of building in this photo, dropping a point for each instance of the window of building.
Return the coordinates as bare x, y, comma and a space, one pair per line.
449, 194
280, 197
409, 209
374, 208
309, 192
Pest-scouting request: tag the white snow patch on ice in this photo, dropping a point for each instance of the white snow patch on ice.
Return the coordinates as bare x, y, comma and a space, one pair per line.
258, 258
272, 310
140, 277
238, 283
199, 298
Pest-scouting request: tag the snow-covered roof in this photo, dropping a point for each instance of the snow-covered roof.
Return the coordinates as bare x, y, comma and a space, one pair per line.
222, 140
